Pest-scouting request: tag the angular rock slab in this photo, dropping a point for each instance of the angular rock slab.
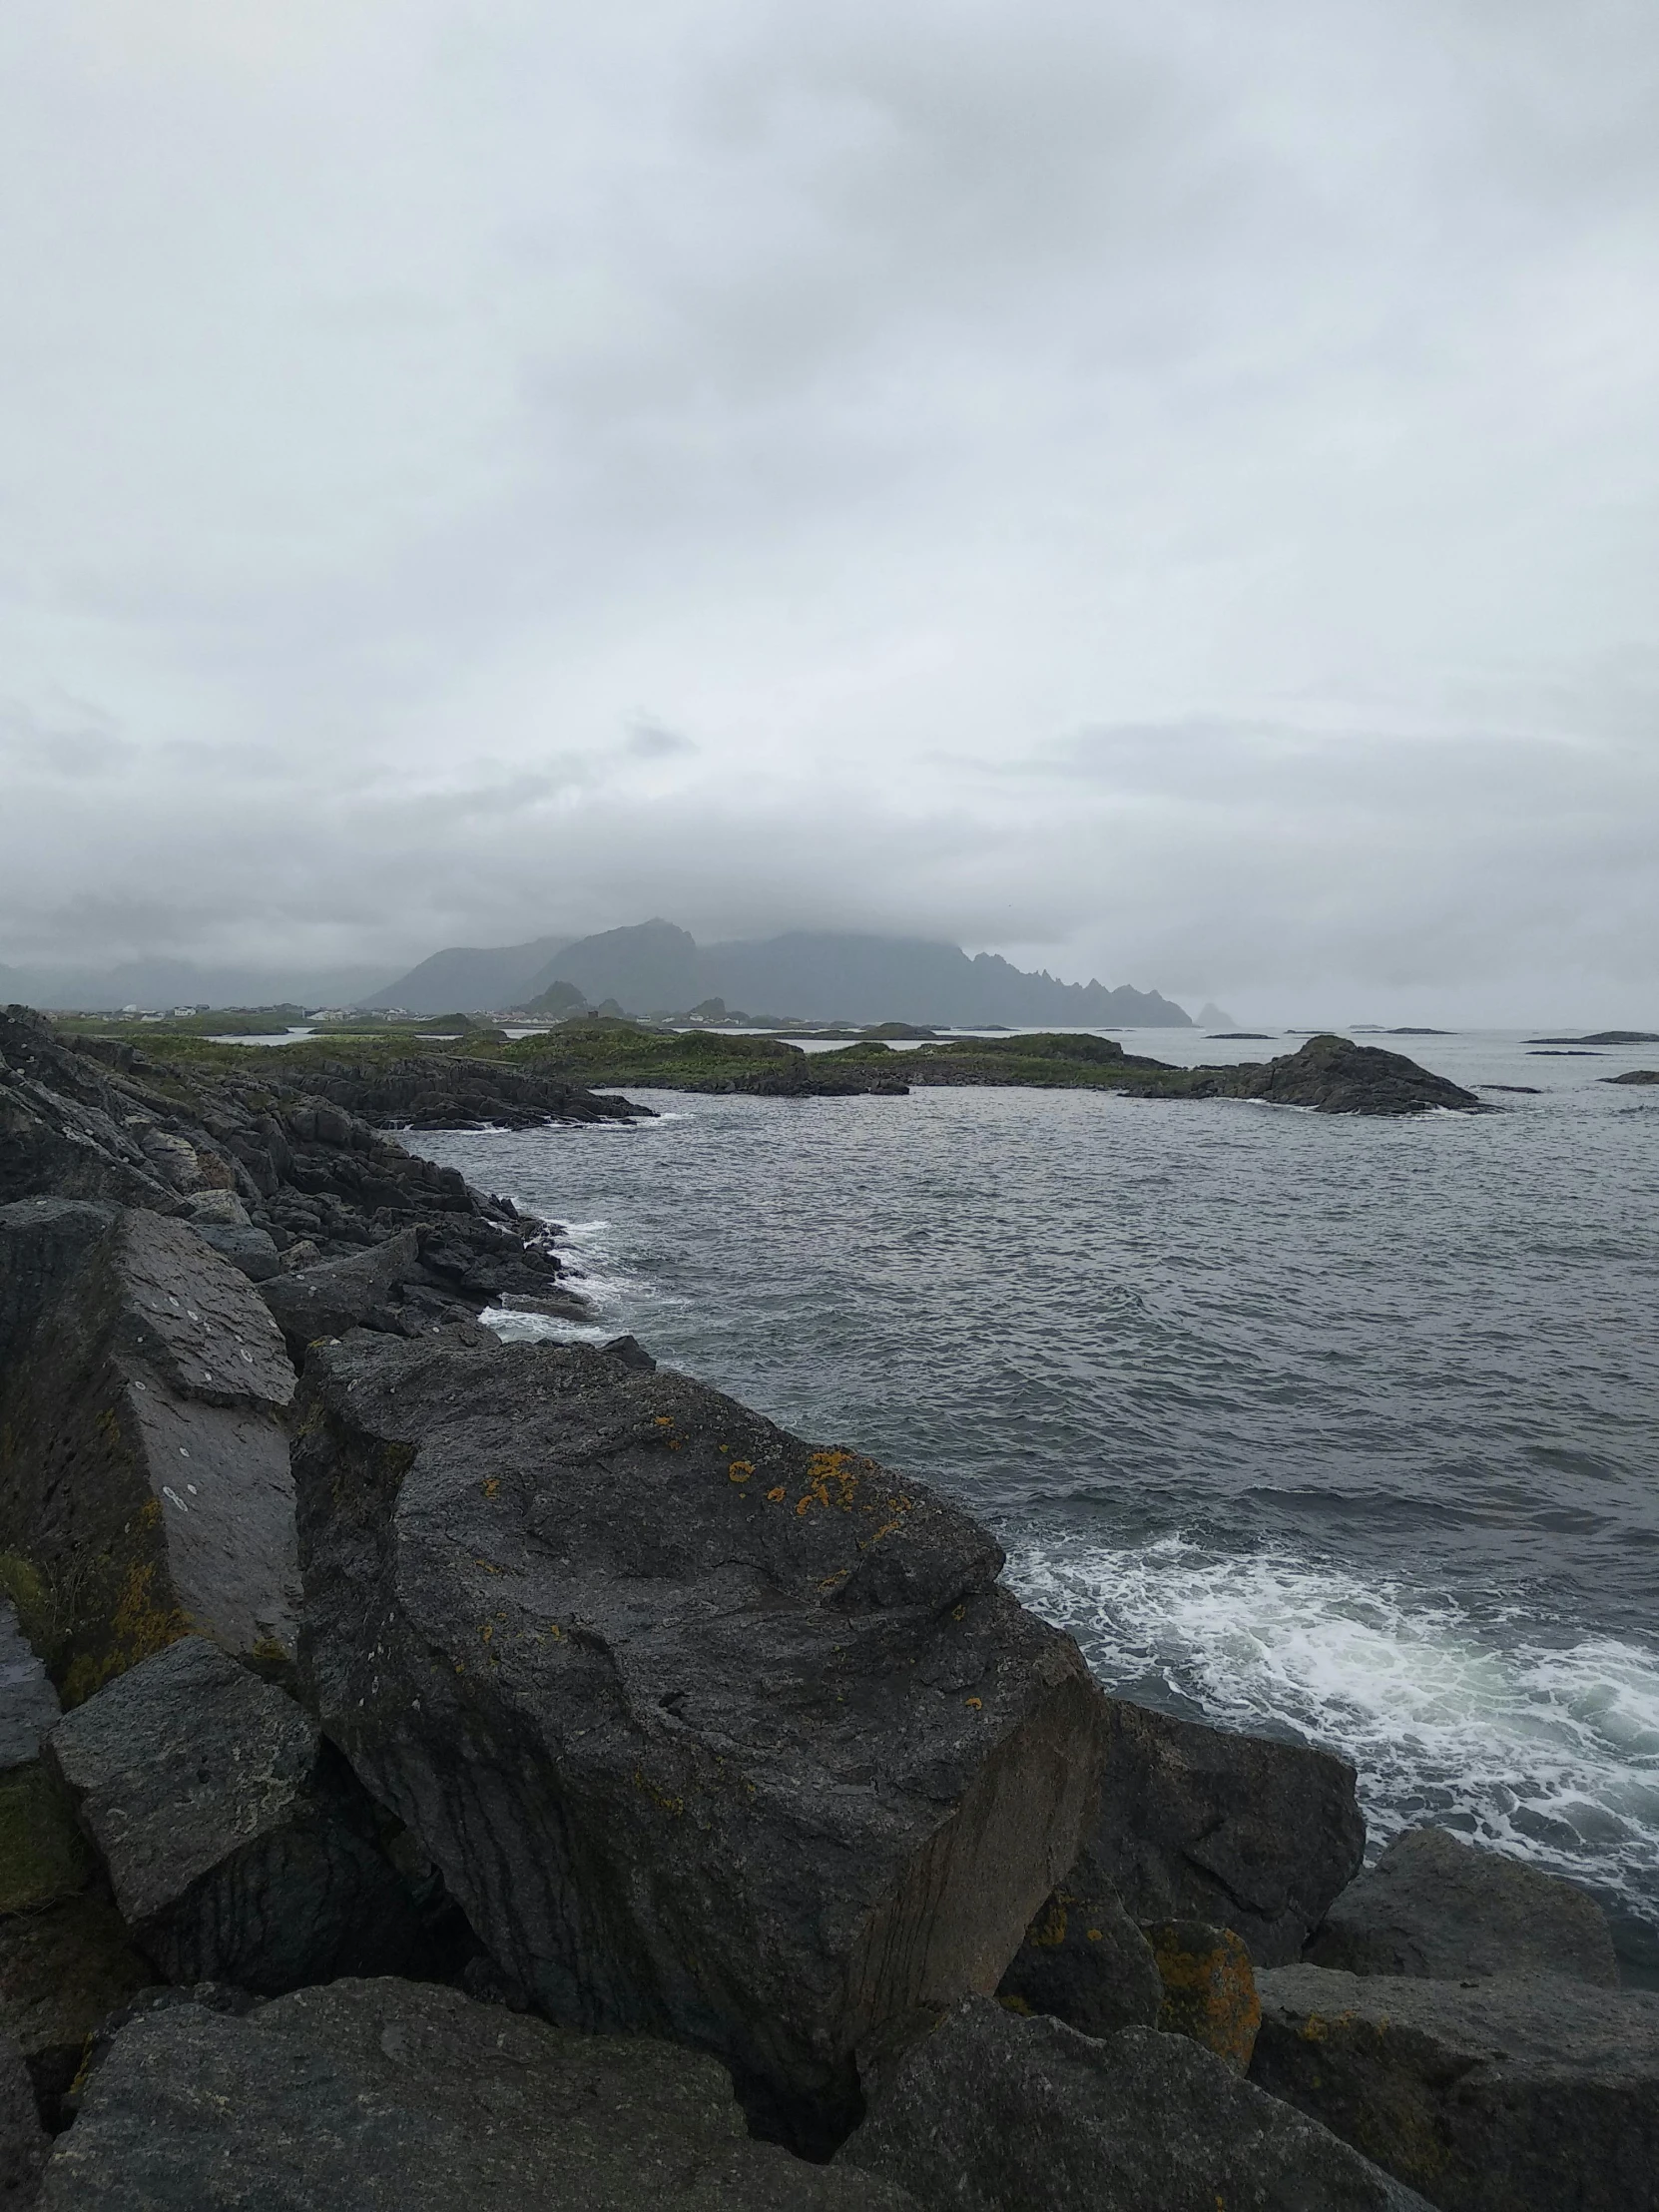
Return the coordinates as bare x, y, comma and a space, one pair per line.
1434, 1907
1532, 2094
711, 1733
407, 2096
43, 1855
1085, 1960
1239, 1831
233, 1853
144, 1481
992, 2113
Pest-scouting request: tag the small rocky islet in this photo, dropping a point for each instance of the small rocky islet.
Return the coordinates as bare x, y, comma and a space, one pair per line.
439, 1771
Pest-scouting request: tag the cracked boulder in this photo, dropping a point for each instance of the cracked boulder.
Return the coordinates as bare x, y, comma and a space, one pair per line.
994, 2114
392, 2093
1535, 2093
144, 1481
713, 1735
1434, 1907
1242, 1832
236, 1850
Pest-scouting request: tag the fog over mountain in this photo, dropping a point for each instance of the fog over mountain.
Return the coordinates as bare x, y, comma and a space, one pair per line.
654, 967
1160, 492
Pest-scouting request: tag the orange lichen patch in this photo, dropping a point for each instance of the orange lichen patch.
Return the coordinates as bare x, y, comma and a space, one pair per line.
830, 1472
740, 1470
1094, 1934
493, 1483
665, 1420
958, 1612
553, 1629
975, 1704
1013, 2004
1048, 1930
488, 1630
886, 1529
1209, 1987
774, 1496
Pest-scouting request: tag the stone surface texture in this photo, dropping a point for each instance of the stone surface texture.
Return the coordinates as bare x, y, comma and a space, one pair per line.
1241, 1831
1209, 1987
411, 2099
1085, 1960
235, 1852
144, 1478
43, 1856
1436, 1906
24, 2143
62, 1972
994, 2114
1535, 2093
711, 1734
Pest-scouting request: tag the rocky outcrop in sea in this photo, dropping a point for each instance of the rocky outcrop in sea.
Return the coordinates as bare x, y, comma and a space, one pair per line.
434, 1771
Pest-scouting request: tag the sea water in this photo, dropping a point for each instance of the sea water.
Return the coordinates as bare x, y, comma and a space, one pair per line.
1338, 1429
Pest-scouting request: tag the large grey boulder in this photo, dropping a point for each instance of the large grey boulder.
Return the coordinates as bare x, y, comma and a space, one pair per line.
410, 2097
1085, 1960
236, 1852
143, 1480
1528, 2094
1436, 1906
711, 1733
994, 2114
1242, 1832
316, 1302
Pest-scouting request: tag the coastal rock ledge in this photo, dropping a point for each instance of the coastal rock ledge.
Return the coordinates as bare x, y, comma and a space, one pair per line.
711, 1734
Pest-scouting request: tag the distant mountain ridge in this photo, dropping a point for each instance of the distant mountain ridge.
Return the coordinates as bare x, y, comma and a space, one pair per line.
656, 967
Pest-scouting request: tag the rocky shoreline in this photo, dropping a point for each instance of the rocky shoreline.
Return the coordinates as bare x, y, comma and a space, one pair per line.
436, 1770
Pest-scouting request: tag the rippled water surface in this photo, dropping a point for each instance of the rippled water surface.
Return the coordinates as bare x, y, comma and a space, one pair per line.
1337, 1427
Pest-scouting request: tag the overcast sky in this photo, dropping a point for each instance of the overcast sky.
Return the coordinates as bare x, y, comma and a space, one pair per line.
1165, 491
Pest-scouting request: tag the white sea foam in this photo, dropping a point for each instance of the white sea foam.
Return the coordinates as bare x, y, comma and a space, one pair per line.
1549, 1753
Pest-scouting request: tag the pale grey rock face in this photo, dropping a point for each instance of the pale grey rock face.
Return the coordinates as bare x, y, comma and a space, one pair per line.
1535, 2090
711, 1733
1434, 1907
408, 2096
995, 2113
144, 1471
233, 1853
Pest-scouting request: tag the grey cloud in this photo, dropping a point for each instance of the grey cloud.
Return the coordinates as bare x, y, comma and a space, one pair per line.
1169, 492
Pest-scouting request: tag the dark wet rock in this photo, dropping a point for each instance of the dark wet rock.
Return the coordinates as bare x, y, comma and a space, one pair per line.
1436, 1906
1336, 1076
144, 1478
447, 1091
711, 1733
63, 1972
249, 1249
391, 2093
236, 1850
1634, 1075
1534, 2092
1243, 1832
1209, 1987
326, 1301
251, 1144
24, 2143
43, 1855
994, 2114
1085, 1960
